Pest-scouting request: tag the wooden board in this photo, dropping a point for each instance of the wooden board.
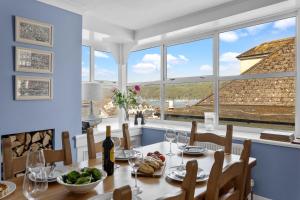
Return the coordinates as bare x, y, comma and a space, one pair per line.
277, 136
157, 173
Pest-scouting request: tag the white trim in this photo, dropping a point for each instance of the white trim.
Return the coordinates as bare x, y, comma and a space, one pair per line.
297, 117
216, 75
256, 197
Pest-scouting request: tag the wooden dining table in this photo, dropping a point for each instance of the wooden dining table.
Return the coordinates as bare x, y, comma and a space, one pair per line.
152, 188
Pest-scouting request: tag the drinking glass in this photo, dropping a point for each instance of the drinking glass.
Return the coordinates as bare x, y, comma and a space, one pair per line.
182, 141
170, 136
135, 158
35, 179
117, 145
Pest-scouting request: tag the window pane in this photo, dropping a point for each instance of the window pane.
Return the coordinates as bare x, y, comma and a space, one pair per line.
149, 98
144, 65
190, 59
264, 48
183, 101
85, 65
265, 103
105, 67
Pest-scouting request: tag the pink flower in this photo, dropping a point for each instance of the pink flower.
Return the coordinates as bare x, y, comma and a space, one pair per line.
137, 88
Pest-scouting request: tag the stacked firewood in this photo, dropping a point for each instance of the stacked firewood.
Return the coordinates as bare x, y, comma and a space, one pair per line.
23, 142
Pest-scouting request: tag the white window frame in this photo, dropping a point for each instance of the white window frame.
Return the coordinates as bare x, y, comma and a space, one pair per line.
215, 78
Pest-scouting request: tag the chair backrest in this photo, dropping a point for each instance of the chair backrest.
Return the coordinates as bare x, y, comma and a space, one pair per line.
93, 148
188, 185
122, 193
245, 155
126, 137
226, 141
229, 183
12, 166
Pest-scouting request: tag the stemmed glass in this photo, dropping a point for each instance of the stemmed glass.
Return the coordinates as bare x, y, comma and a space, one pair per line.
170, 136
117, 145
135, 158
35, 180
182, 141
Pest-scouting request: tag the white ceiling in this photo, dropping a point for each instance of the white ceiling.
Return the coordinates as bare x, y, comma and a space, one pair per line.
137, 14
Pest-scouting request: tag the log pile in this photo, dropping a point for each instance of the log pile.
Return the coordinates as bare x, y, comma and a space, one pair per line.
23, 142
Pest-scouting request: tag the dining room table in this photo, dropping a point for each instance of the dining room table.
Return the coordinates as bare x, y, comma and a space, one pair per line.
152, 187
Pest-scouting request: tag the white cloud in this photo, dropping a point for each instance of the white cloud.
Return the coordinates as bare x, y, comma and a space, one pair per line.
206, 69
229, 57
100, 54
144, 68
285, 23
229, 64
253, 30
230, 36
175, 60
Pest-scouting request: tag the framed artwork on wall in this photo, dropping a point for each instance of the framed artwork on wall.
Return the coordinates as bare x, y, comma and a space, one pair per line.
33, 88
33, 60
33, 32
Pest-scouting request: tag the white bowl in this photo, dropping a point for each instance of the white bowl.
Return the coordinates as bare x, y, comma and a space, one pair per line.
84, 188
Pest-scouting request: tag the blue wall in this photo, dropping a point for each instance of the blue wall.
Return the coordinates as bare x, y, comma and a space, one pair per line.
276, 174
63, 112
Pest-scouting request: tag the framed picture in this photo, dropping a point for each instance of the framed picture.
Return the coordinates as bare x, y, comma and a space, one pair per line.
33, 60
33, 32
33, 88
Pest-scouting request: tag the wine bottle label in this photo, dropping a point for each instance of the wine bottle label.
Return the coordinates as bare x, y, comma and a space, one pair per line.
112, 155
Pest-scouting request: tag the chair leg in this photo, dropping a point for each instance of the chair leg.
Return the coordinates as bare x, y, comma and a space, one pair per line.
251, 197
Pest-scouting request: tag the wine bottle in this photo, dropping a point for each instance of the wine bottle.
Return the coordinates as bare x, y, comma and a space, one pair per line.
108, 153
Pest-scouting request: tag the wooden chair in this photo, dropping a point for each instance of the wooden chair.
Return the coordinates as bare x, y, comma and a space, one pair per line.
122, 193
226, 141
13, 166
93, 148
126, 137
188, 185
228, 183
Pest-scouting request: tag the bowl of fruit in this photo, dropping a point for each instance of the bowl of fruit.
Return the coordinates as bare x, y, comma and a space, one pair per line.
83, 180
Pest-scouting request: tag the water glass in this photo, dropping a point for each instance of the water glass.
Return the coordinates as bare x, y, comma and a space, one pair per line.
117, 144
170, 137
182, 142
35, 179
135, 158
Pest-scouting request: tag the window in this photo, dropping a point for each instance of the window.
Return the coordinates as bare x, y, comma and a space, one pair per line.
144, 69
190, 59
144, 66
265, 49
184, 91
85, 65
106, 72
106, 69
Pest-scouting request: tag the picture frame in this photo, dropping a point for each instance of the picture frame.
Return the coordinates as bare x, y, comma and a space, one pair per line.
33, 88
33, 60
33, 32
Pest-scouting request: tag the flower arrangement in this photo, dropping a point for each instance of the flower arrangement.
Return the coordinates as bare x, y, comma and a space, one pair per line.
126, 99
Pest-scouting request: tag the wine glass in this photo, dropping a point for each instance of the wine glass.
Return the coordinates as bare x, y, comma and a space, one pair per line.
182, 141
135, 158
117, 145
35, 180
170, 136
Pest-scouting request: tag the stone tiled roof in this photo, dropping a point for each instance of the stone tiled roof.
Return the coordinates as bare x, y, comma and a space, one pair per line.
267, 91
264, 49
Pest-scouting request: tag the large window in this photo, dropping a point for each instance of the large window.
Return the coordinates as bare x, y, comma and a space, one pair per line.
106, 69
253, 76
254, 52
144, 69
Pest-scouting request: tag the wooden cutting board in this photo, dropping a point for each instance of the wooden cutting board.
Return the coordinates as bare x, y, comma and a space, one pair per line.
156, 174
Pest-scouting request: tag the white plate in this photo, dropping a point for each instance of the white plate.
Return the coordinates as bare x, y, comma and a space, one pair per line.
173, 176
194, 150
57, 171
122, 155
181, 173
11, 187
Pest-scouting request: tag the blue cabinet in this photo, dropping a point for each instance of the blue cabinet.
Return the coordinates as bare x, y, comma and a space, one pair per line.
151, 136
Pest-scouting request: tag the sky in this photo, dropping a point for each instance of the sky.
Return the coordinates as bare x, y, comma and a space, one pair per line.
192, 59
